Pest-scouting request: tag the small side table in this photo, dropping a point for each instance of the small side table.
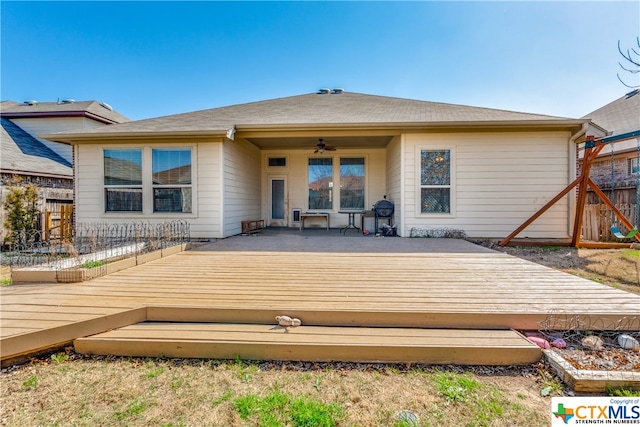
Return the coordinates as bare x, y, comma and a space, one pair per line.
352, 221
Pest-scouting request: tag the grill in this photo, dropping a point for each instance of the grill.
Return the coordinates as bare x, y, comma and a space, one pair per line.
383, 209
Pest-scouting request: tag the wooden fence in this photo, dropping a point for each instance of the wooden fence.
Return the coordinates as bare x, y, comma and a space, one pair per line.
596, 223
58, 224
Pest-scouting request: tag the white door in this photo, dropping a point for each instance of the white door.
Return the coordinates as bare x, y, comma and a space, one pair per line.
278, 201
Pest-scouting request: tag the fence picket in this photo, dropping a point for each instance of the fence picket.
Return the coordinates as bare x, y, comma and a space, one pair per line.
597, 223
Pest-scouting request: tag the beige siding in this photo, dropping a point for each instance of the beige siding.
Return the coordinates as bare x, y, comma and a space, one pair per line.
499, 180
241, 185
38, 126
296, 173
208, 223
394, 180
206, 219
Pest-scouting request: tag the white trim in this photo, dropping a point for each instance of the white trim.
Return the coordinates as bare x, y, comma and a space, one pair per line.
366, 178
147, 183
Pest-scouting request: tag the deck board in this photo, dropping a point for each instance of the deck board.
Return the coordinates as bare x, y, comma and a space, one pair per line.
258, 342
441, 284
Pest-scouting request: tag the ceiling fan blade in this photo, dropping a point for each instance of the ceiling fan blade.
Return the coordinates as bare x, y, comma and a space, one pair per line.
330, 148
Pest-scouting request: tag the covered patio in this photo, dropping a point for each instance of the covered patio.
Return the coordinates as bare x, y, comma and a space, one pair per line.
327, 280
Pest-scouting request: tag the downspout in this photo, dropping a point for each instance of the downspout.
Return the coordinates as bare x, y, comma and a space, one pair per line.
573, 154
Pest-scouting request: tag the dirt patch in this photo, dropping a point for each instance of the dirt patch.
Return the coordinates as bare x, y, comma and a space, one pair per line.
139, 392
618, 268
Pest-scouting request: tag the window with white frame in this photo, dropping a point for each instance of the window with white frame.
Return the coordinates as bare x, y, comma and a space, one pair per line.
171, 180
320, 180
435, 181
163, 175
352, 183
123, 180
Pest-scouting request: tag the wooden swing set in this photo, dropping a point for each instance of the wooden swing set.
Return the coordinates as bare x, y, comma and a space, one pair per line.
592, 148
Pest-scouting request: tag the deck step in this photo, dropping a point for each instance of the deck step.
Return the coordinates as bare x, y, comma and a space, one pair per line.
313, 343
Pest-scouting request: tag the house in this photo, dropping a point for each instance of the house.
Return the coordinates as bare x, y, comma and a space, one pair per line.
47, 164
621, 158
474, 169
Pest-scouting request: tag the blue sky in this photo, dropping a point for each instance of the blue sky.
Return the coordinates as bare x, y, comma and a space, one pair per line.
149, 59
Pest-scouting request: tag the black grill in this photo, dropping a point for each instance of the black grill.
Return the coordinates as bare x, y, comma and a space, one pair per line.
383, 209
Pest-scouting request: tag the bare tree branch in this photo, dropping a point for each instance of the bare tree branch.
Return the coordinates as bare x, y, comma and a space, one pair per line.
633, 57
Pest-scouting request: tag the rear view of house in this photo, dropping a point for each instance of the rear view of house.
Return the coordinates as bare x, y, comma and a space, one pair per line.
46, 164
479, 170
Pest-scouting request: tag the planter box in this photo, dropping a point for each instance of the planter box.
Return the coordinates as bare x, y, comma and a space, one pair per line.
172, 250
591, 381
141, 259
80, 274
19, 276
112, 267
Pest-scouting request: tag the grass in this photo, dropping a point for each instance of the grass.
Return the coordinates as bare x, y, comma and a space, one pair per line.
176, 392
631, 253
93, 264
621, 392
280, 409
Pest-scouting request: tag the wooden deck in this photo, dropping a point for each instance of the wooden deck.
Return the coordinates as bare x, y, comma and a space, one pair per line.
425, 283
314, 343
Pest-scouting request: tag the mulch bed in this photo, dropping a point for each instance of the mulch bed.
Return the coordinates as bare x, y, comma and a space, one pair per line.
609, 359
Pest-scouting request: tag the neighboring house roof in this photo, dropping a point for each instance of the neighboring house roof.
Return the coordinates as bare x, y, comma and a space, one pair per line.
620, 116
24, 154
119, 171
95, 110
317, 111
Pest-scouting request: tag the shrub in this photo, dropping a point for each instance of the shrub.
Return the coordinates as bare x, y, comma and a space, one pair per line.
22, 213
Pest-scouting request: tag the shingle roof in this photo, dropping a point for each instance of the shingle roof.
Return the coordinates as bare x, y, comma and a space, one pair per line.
21, 152
318, 109
97, 110
620, 116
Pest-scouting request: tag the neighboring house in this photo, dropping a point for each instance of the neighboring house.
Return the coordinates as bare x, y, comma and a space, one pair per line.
480, 170
49, 165
618, 117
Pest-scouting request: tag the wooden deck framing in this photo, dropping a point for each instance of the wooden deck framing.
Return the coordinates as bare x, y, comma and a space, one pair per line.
456, 285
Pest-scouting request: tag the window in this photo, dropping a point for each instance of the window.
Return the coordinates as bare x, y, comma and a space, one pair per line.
123, 180
320, 183
352, 183
171, 180
634, 166
148, 180
277, 162
435, 181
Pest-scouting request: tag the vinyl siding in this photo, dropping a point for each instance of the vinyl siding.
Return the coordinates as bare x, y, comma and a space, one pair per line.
499, 180
394, 179
205, 221
241, 185
296, 173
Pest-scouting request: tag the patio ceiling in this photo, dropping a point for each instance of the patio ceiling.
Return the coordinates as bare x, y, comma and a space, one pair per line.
309, 142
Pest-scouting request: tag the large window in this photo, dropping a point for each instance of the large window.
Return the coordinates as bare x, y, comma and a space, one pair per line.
634, 166
320, 181
123, 180
435, 181
171, 180
148, 180
352, 183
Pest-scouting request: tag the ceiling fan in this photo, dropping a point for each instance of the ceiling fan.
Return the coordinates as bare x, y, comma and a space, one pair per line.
321, 147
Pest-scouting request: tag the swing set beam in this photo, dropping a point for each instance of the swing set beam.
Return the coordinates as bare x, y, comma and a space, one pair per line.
593, 148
